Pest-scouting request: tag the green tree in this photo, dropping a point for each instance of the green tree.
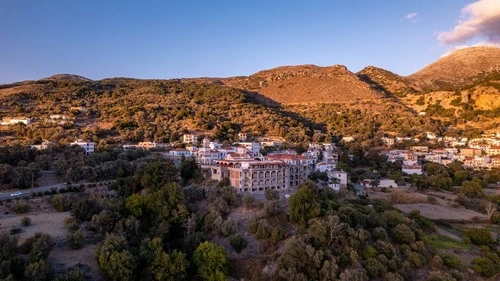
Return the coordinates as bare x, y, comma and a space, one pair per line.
211, 262
114, 259
38, 271
303, 206
159, 264
158, 173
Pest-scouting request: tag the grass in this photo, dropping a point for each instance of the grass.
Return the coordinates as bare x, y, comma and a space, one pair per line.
443, 242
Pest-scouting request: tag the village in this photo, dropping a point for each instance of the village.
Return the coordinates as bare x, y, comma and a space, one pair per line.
257, 164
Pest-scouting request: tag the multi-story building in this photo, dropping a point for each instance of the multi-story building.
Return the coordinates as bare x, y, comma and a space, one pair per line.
88, 146
252, 147
180, 152
299, 165
190, 138
470, 152
337, 180
252, 175
493, 150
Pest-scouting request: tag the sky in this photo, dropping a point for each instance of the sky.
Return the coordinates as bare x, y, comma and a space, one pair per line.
221, 38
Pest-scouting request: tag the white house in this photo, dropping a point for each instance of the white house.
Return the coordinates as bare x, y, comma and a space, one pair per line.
88, 146
337, 180
180, 152
190, 138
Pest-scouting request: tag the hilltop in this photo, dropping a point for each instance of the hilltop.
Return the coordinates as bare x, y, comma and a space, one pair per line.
461, 68
307, 84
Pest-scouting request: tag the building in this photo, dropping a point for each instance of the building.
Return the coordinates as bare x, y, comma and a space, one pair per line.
299, 167
88, 146
149, 145
15, 120
470, 152
252, 147
190, 138
493, 150
252, 175
44, 145
388, 141
337, 180
180, 152
412, 169
243, 136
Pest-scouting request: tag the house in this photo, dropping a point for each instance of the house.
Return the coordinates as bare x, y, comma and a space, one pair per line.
388, 141
44, 145
243, 136
347, 138
146, 145
470, 152
15, 120
337, 180
252, 147
180, 152
412, 169
493, 150
324, 167
88, 146
190, 139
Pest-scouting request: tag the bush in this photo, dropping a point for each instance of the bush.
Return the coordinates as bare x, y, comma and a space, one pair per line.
75, 240
26, 221
452, 261
479, 236
401, 197
21, 207
488, 265
61, 202
403, 234
15, 230
238, 243
72, 275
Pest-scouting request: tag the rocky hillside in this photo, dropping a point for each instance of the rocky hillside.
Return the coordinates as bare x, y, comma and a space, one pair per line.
387, 81
461, 68
308, 84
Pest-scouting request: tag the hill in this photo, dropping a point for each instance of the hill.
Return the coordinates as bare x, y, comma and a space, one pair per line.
387, 81
307, 84
459, 69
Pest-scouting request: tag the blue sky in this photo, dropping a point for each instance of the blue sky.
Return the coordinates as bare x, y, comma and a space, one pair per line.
200, 38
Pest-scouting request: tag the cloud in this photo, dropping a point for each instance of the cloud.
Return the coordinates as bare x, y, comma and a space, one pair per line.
479, 20
412, 17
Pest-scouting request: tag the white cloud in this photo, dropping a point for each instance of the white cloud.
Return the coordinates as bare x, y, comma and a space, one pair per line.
412, 17
479, 20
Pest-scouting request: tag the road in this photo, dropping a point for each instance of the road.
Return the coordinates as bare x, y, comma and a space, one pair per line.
27, 192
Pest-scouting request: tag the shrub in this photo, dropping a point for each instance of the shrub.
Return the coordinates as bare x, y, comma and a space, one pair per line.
401, 197
452, 261
72, 275
61, 203
26, 221
488, 265
403, 234
238, 243
15, 230
479, 236
21, 207
75, 240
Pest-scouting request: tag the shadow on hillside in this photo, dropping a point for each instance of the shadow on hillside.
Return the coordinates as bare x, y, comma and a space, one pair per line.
259, 99
378, 87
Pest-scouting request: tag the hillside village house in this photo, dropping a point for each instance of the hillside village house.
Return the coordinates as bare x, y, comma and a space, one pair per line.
471, 152
337, 180
88, 146
15, 120
190, 139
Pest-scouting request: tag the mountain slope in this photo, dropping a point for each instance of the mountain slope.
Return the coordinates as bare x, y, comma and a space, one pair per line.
387, 81
461, 68
307, 84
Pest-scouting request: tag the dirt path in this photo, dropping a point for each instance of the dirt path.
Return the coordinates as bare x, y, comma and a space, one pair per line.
448, 234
